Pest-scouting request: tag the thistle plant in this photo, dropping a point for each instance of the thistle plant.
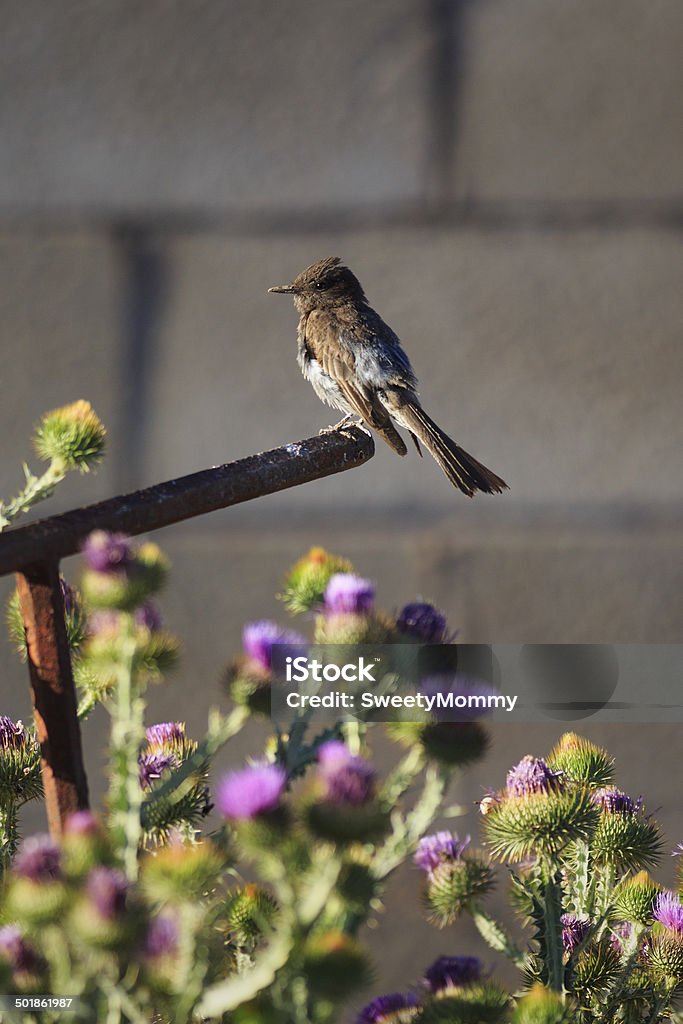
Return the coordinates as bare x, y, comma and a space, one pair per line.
145, 911
603, 942
242, 898
70, 438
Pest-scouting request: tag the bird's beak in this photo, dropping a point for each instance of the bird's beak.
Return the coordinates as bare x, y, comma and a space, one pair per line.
282, 289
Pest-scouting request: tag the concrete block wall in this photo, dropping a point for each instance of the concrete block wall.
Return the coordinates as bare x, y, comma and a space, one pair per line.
506, 181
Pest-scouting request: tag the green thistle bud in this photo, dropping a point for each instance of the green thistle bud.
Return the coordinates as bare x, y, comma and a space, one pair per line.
455, 886
542, 1006
582, 761
180, 874
665, 955
541, 823
347, 823
336, 965
308, 578
85, 845
634, 898
347, 628
35, 903
73, 437
454, 743
357, 885
250, 912
628, 841
595, 967
480, 1003
128, 585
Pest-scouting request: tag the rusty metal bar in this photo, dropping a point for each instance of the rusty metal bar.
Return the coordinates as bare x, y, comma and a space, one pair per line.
50, 540
53, 693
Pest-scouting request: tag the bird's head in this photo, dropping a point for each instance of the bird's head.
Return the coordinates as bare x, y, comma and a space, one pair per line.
325, 283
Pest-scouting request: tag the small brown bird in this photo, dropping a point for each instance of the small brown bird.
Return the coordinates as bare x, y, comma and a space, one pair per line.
355, 363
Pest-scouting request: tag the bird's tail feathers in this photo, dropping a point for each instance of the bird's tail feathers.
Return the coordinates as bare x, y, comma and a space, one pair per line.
461, 468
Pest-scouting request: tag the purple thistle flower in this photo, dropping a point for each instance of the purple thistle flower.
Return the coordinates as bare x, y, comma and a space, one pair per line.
148, 617
259, 638
82, 823
108, 552
13, 735
14, 948
669, 911
614, 801
347, 594
165, 735
252, 791
108, 891
678, 852
452, 972
574, 931
38, 859
152, 766
162, 935
387, 1009
348, 779
438, 848
531, 775
424, 622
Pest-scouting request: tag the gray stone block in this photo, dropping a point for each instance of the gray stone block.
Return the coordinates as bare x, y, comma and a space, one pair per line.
60, 309
210, 106
571, 100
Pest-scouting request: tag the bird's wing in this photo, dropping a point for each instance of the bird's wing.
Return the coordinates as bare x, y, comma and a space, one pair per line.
337, 362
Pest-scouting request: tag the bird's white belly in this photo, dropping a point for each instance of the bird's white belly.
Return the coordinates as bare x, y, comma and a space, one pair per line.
325, 387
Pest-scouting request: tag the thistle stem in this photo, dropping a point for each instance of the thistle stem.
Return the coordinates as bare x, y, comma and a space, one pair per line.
552, 909
127, 735
37, 488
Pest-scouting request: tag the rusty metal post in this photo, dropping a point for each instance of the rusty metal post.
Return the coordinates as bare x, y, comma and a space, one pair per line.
53, 693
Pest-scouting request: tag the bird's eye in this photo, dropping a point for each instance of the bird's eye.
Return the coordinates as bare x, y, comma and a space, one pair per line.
320, 285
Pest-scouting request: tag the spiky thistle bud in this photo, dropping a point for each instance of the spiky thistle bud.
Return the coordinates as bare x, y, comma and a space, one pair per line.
119, 574
181, 873
634, 898
595, 967
36, 892
459, 993
664, 950
20, 779
250, 913
85, 845
542, 1006
457, 886
540, 814
308, 579
72, 437
394, 1008
626, 837
581, 761
344, 808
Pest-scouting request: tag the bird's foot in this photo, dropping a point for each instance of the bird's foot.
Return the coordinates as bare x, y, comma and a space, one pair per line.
337, 426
